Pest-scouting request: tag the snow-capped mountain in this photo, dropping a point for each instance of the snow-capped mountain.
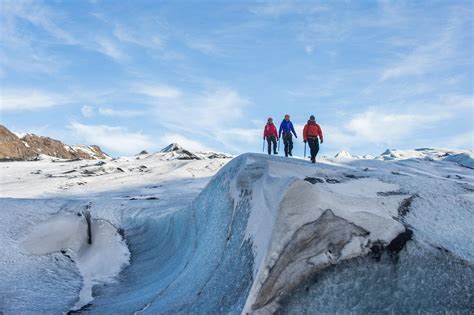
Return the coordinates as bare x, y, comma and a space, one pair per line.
176, 152
462, 157
20, 147
255, 234
343, 154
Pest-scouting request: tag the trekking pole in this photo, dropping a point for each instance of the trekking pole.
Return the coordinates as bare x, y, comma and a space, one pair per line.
278, 144
305, 150
263, 148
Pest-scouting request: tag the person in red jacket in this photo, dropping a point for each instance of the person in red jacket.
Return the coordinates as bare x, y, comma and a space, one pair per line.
311, 132
270, 133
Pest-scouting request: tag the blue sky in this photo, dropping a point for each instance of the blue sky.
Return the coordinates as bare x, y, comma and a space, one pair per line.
133, 75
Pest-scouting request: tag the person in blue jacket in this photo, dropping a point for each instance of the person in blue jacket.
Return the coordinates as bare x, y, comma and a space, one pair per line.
286, 127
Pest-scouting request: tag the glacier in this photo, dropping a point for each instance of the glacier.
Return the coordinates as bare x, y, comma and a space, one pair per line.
254, 234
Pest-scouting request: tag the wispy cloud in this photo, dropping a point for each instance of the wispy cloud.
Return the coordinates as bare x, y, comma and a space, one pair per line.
29, 99
38, 15
432, 55
90, 111
121, 112
210, 115
286, 7
87, 111
115, 138
207, 112
381, 127
143, 39
109, 48
20, 49
377, 127
461, 140
205, 46
157, 90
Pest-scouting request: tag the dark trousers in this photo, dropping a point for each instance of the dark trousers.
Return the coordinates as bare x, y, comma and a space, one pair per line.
314, 147
288, 142
271, 140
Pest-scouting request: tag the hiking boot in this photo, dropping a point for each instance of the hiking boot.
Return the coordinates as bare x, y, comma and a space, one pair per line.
313, 160
276, 153
290, 154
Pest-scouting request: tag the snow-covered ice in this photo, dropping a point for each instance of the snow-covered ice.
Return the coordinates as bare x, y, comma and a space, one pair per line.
184, 232
98, 262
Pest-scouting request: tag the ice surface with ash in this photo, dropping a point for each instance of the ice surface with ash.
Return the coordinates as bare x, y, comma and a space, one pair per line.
263, 235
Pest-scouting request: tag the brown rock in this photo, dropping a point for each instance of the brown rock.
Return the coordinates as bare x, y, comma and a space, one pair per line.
30, 146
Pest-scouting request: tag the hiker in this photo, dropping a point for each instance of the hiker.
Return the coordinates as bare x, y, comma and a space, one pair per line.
286, 127
311, 132
270, 133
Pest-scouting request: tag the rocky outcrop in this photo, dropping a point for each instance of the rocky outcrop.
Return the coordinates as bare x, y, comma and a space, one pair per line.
11, 147
29, 146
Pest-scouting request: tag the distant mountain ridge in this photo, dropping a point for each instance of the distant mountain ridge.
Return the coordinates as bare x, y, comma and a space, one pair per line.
174, 151
21, 147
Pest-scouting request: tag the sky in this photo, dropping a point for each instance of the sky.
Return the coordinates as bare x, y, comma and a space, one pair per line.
135, 75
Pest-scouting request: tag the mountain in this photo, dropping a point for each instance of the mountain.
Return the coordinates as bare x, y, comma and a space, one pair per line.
174, 151
461, 157
344, 155
20, 147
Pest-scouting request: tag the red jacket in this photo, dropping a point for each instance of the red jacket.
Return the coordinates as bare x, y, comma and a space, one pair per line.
270, 130
312, 130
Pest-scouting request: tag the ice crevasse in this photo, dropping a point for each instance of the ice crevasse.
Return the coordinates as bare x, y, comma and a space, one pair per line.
263, 228
254, 233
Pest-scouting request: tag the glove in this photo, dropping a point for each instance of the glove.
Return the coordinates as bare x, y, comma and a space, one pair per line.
322, 141
304, 141
296, 136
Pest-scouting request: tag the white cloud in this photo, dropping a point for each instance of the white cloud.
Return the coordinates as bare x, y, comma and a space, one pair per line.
157, 90
209, 116
38, 15
128, 35
285, 7
117, 139
22, 51
463, 140
431, 56
205, 46
382, 127
120, 112
416, 63
378, 128
109, 48
241, 139
206, 114
87, 111
29, 99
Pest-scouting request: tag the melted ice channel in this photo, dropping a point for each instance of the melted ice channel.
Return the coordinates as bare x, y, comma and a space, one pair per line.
99, 262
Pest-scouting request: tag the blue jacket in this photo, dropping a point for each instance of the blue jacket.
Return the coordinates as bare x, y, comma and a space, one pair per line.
286, 127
